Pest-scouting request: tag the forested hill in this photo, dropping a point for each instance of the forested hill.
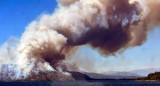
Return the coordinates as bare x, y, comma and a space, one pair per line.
151, 76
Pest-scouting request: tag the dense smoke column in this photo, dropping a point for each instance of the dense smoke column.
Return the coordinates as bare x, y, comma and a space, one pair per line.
108, 39
103, 24
119, 16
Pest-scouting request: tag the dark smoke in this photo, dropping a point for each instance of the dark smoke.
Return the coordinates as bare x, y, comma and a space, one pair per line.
120, 15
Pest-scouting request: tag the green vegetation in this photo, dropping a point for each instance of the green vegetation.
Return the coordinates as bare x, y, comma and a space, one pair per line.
151, 76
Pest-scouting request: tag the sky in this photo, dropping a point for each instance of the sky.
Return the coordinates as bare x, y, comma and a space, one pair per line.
15, 15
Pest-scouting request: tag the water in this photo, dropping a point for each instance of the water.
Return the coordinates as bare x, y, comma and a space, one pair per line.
85, 83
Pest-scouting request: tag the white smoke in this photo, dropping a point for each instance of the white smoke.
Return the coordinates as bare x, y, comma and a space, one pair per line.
42, 37
7, 51
9, 62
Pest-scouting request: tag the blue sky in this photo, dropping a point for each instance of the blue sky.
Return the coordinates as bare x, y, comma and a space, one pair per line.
15, 15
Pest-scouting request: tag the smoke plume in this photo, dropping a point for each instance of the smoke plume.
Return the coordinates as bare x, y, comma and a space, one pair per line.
106, 25
149, 20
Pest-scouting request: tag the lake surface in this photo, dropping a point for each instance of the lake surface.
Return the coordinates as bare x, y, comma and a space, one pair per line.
85, 83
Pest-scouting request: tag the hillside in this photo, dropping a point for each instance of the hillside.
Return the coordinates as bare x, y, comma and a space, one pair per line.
151, 76
116, 75
49, 76
144, 72
121, 74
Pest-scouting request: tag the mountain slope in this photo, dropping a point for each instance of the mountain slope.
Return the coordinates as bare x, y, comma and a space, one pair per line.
145, 72
115, 75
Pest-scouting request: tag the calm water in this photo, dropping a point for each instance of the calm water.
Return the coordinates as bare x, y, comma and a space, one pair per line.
85, 83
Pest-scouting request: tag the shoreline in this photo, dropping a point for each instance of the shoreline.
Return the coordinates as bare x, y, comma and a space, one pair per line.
147, 80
